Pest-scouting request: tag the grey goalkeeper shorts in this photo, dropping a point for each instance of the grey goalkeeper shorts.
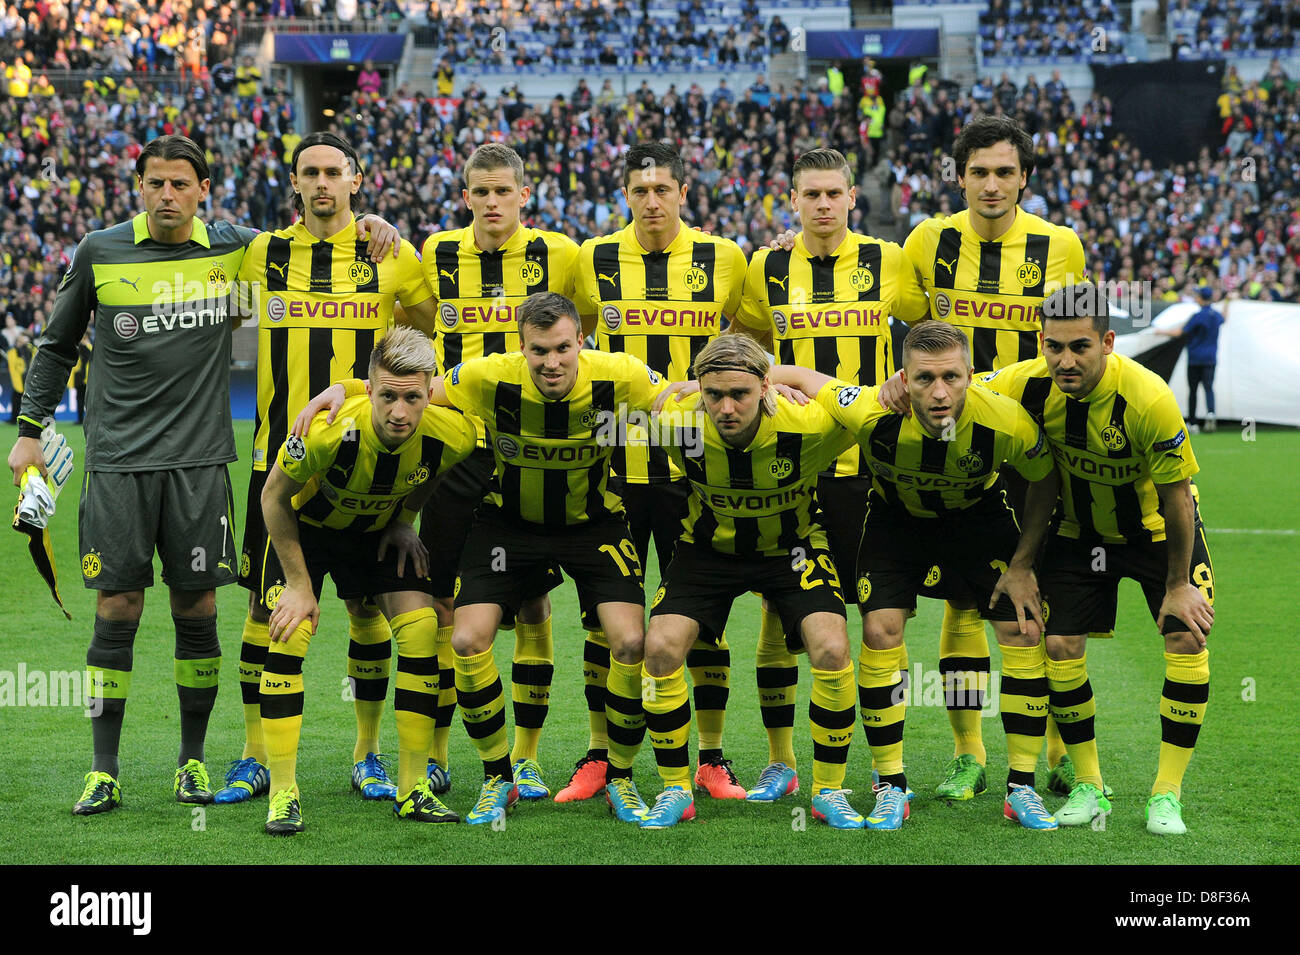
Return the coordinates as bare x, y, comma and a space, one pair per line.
186, 514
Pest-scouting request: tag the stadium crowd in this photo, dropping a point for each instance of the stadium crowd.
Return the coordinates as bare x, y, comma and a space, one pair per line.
1228, 219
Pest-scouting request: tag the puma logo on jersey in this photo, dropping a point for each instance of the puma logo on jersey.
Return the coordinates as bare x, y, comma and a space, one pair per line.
611, 279
451, 276
278, 267
948, 264
126, 281
781, 282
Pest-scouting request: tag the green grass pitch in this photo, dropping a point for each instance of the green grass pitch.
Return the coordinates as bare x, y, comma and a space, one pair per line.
1235, 793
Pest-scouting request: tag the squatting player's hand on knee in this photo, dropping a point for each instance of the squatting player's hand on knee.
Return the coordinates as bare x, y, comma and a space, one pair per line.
293, 608
406, 541
331, 398
1021, 586
1188, 604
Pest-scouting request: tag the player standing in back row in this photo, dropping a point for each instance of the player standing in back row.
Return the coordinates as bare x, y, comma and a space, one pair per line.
322, 305
480, 276
987, 270
660, 291
824, 304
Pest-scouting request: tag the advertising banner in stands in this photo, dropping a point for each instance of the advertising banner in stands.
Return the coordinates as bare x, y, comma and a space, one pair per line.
881, 44
338, 47
1258, 359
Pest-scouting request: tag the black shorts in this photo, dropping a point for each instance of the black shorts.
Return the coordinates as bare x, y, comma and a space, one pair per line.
351, 559
1080, 581
654, 510
842, 509
958, 557
505, 563
449, 514
702, 584
186, 514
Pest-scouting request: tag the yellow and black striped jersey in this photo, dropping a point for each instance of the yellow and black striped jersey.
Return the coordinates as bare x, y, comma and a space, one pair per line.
552, 455
758, 500
661, 307
832, 314
478, 292
929, 476
321, 306
354, 483
1112, 447
994, 291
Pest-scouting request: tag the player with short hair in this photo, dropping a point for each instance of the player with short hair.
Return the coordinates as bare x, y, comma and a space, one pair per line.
158, 439
550, 411
658, 290
341, 501
987, 270
824, 303
322, 303
1126, 465
480, 275
937, 496
753, 460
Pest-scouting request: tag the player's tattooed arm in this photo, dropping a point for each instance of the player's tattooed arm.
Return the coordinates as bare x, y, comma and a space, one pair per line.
297, 603
1183, 599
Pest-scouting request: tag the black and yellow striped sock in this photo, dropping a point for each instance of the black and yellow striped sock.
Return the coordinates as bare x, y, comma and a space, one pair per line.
197, 666
108, 680
1056, 749
1074, 711
530, 685
1183, 701
668, 721
252, 657
882, 693
415, 696
778, 682
830, 713
370, 660
482, 705
964, 667
282, 695
595, 676
710, 668
624, 716
1024, 709
446, 712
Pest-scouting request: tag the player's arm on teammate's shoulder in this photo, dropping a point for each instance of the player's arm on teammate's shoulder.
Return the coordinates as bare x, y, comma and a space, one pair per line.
384, 237
806, 380
1183, 599
751, 316
419, 316
416, 304
56, 354
298, 602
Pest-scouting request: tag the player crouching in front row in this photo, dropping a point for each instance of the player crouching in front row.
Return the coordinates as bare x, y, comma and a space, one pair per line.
342, 501
936, 491
750, 527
